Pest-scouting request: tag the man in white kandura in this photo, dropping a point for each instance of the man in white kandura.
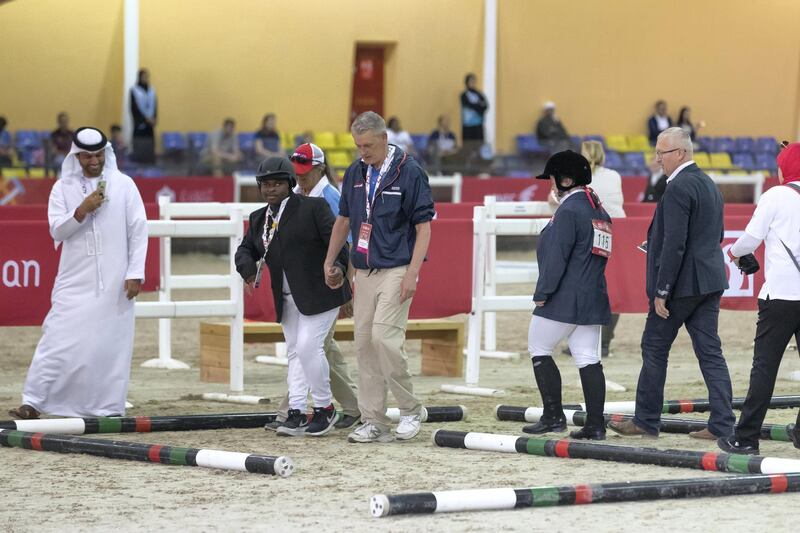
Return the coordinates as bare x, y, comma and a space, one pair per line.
82, 364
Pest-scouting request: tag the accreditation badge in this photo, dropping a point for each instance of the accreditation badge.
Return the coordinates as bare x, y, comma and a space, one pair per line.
601, 245
363, 237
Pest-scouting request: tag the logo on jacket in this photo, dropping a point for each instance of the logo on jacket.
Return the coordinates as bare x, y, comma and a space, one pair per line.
739, 285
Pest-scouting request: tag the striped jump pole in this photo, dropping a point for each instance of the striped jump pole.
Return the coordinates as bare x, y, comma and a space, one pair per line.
434, 413
135, 451
674, 407
668, 425
140, 424
721, 462
630, 491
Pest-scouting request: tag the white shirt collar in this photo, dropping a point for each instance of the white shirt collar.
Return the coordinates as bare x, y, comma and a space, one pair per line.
316, 192
675, 172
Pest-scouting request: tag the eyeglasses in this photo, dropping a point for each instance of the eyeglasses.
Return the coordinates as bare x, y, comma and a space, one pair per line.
783, 145
659, 153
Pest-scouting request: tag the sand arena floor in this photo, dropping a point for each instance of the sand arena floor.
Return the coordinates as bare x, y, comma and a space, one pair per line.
333, 480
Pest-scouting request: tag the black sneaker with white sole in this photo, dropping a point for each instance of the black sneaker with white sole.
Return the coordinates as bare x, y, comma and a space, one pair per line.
274, 425
322, 422
295, 425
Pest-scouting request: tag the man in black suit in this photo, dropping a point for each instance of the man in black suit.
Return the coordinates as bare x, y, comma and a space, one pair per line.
291, 235
685, 280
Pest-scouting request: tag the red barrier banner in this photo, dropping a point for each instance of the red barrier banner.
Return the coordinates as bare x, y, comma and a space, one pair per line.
28, 267
626, 269
445, 280
179, 189
529, 190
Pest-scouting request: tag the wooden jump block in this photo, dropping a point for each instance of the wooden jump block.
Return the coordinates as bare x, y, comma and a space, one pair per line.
442, 344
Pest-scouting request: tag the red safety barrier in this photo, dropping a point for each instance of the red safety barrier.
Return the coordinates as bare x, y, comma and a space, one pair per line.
179, 189
445, 280
529, 189
28, 267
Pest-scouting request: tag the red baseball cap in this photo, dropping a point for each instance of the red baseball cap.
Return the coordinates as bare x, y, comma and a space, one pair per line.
307, 156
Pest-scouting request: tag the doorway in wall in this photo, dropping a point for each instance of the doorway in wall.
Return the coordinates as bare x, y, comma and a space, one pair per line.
367, 80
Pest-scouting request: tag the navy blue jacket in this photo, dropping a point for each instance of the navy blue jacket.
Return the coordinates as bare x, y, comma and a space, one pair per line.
402, 201
684, 257
572, 280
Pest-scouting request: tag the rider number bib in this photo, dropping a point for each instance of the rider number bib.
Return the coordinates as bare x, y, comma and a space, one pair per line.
601, 244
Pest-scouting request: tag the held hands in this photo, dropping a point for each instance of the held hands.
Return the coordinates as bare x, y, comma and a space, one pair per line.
660, 305
409, 285
346, 310
132, 288
334, 277
539, 303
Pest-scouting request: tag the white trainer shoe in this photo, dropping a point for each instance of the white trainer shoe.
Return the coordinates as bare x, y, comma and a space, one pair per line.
409, 425
369, 433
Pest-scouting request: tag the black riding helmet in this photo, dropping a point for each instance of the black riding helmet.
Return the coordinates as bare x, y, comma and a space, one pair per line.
276, 168
567, 164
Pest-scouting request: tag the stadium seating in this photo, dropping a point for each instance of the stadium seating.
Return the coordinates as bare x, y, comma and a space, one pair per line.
745, 144
724, 144
702, 160
173, 142
338, 159
744, 160
766, 145
420, 141
635, 163
766, 161
705, 143
345, 140
618, 143
598, 138
614, 161
529, 144
638, 143
720, 161
325, 140
197, 141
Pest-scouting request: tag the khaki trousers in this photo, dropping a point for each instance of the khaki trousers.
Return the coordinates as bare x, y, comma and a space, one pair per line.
380, 331
342, 386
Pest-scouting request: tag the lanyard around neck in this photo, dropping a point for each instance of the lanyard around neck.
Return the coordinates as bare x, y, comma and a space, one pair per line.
271, 229
384, 169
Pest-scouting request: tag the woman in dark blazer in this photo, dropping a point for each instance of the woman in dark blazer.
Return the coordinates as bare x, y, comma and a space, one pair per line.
290, 235
571, 296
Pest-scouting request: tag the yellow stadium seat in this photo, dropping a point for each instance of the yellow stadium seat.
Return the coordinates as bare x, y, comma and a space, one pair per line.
617, 143
287, 140
11, 172
339, 158
702, 160
37, 172
325, 140
721, 160
345, 140
638, 143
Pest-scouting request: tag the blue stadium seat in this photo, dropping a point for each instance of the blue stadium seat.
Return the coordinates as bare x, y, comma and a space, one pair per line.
766, 162
197, 140
634, 163
28, 140
767, 145
420, 144
247, 141
744, 160
614, 161
173, 141
745, 144
706, 144
724, 144
576, 142
529, 144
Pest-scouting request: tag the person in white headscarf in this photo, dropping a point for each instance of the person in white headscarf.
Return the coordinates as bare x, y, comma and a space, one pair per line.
81, 366
144, 111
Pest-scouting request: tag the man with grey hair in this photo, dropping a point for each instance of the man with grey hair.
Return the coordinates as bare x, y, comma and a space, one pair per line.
387, 207
685, 280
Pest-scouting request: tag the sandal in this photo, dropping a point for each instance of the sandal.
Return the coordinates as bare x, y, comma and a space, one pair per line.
24, 412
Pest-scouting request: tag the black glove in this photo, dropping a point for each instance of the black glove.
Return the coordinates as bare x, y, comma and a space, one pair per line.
748, 264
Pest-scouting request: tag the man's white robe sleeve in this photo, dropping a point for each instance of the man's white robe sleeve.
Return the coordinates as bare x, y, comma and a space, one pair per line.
62, 220
136, 220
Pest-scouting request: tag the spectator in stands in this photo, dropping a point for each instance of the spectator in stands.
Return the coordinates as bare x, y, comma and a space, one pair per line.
442, 141
119, 145
657, 182
473, 107
399, 137
658, 122
223, 154
685, 122
268, 140
144, 111
6, 147
551, 131
60, 141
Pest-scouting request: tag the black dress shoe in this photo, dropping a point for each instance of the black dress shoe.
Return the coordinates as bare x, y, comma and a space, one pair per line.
346, 421
733, 445
588, 433
544, 425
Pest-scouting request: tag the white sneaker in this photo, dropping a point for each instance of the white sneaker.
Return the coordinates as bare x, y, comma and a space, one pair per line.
369, 433
409, 425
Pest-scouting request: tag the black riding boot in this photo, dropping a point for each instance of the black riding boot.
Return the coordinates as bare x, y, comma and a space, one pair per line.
593, 382
795, 435
548, 379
